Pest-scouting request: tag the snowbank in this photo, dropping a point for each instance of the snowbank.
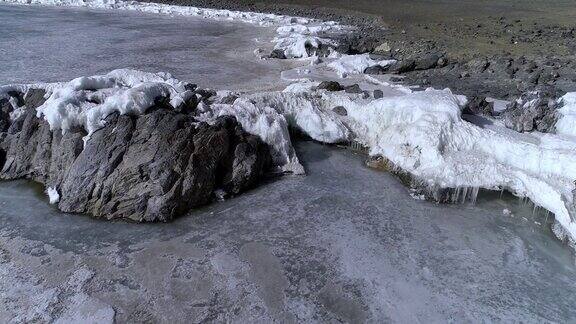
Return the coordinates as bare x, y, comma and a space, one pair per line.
423, 134
86, 101
355, 64
299, 40
566, 124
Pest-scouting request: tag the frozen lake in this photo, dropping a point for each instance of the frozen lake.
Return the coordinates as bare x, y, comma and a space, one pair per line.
47, 44
344, 243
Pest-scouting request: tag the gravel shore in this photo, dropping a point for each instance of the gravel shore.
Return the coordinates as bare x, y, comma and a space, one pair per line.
494, 48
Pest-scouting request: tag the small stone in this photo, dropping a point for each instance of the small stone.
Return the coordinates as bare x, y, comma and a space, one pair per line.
340, 110
375, 69
355, 88
378, 94
277, 54
330, 86
442, 62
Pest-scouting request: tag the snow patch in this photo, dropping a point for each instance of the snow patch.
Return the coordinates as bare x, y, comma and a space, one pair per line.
86, 101
423, 134
53, 195
566, 124
355, 64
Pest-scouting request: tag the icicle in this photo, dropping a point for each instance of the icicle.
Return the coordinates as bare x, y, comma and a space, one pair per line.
465, 192
455, 195
474, 194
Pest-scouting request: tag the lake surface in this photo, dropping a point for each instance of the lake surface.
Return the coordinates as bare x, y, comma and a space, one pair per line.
343, 243
47, 44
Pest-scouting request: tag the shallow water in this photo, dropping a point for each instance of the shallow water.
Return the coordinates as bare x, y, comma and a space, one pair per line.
47, 44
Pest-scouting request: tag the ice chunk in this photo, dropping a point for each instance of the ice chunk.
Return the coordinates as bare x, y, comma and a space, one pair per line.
355, 64
566, 123
53, 195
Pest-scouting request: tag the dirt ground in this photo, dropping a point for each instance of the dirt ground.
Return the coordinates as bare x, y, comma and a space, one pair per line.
462, 28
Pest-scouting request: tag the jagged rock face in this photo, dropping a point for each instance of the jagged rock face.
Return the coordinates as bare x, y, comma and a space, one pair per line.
477, 105
532, 111
151, 167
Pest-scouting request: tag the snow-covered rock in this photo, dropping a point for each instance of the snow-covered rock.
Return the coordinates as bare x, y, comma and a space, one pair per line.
144, 160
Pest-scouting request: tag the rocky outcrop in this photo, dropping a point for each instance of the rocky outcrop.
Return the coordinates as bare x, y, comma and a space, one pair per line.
478, 105
532, 111
150, 167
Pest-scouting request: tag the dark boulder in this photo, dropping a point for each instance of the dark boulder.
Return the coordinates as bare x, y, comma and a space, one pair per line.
277, 54
532, 111
477, 105
330, 86
340, 110
354, 88
407, 65
151, 167
427, 62
375, 70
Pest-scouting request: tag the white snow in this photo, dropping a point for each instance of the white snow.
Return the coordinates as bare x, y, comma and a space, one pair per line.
86, 101
53, 195
423, 133
296, 45
566, 124
355, 64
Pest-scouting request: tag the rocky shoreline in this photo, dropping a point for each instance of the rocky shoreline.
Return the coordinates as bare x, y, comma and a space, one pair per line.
480, 55
149, 167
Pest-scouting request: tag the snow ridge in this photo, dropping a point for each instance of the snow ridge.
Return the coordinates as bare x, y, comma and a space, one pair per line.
424, 134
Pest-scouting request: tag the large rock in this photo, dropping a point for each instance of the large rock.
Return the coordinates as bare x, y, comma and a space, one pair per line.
150, 167
477, 105
532, 111
407, 65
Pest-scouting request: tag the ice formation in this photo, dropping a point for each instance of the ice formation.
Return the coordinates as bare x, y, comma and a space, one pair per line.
53, 195
566, 123
423, 133
355, 64
86, 101
298, 40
